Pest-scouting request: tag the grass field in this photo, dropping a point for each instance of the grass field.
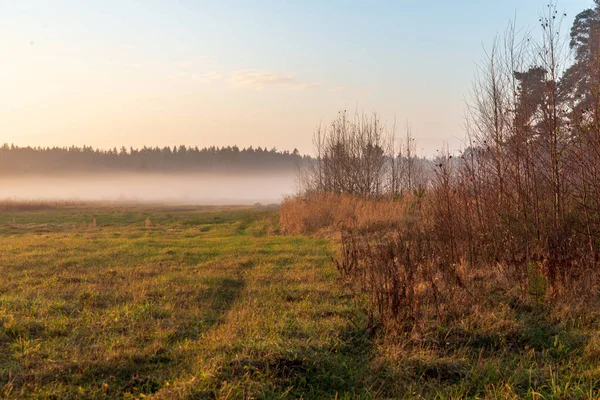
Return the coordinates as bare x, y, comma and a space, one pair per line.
105, 302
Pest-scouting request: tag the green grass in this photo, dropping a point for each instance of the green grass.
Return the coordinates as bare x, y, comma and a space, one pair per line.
215, 303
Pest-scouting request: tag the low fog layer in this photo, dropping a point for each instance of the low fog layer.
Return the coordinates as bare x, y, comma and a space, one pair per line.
183, 189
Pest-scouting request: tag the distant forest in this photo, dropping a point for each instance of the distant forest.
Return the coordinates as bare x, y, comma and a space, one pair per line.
15, 160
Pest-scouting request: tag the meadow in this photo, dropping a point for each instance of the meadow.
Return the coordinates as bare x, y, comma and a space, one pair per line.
106, 301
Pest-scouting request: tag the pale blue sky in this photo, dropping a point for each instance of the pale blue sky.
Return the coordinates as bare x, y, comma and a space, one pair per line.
262, 73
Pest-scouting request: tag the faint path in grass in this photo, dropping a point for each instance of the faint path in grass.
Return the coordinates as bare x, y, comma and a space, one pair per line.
221, 295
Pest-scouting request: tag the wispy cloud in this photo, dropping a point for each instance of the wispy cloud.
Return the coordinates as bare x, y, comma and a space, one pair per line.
261, 79
247, 78
337, 89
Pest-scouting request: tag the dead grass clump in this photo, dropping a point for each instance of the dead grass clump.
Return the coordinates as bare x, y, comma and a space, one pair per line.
311, 214
324, 212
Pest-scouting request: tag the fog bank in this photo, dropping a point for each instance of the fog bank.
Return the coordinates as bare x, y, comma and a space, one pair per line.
182, 189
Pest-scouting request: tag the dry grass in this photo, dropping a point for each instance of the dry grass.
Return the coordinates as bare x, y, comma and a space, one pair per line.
324, 212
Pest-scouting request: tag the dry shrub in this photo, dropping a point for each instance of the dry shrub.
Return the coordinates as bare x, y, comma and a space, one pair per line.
390, 251
405, 284
420, 261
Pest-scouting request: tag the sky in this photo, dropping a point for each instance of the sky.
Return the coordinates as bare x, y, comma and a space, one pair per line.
247, 73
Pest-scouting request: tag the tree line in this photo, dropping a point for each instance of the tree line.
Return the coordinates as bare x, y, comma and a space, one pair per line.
15, 160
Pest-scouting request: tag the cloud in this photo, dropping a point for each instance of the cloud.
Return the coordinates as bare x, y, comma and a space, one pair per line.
248, 78
261, 79
337, 89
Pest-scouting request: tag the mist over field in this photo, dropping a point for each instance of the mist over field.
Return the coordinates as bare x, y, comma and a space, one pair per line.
214, 189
